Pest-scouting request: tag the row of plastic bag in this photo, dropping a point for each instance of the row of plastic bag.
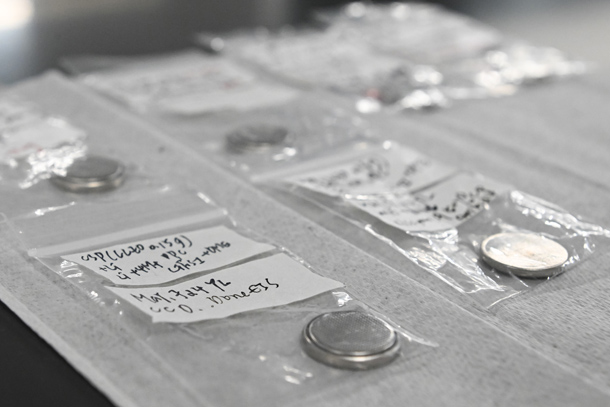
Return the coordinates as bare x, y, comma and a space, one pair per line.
401, 56
393, 57
193, 286
435, 215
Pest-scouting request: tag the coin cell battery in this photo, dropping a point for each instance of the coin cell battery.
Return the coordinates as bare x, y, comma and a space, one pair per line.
350, 340
91, 174
256, 138
525, 255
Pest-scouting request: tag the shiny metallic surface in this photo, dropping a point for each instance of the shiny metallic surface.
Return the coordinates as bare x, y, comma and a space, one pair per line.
526, 255
350, 340
256, 137
91, 174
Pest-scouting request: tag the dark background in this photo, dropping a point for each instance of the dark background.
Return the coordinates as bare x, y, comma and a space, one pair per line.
31, 372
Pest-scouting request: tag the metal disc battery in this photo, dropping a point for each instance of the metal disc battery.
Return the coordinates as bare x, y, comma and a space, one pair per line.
91, 174
350, 340
527, 255
255, 138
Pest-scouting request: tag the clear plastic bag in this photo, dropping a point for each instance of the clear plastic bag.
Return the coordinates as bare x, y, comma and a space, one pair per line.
439, 217
266, 137
445, 56
260, 348
248, 141
313, 59
69, 174
501, 71
186, 83
34, 150
34, 146
419, 33
14, 112
48, 163
385, 54
261, 140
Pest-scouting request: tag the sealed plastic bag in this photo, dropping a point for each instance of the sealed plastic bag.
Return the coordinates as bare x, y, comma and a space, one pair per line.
48, 179
14, 112
446, 56
33, 146
265, 139
419, 33
204, 326
313, 59
480, 236
186, 83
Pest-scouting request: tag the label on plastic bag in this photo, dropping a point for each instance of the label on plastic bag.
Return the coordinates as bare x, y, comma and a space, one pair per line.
396, 170
443, 206
163, 259
190, 86
268, 282
35, 136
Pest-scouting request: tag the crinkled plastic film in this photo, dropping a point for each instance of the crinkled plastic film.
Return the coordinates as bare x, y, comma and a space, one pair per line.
260, 349
188, 83
33, 146
437, 217
420, 33
501, 71
14, 112
36, 150
401, 56
48, 167
257, 139
38, 154
311, 58
451, 56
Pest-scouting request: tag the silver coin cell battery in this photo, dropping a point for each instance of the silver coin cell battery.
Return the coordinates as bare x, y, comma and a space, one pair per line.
255, 138
352, 340
91, 174
527, 255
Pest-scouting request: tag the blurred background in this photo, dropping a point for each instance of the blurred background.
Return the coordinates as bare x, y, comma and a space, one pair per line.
34, 34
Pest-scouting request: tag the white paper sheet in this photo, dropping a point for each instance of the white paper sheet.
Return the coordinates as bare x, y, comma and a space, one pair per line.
167, 258
397, 169
268, 282
443, 206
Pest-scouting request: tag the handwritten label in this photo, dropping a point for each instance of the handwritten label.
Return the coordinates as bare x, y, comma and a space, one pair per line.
159, 260
190, 86
35, 136
440, 207
269, 282
395, 170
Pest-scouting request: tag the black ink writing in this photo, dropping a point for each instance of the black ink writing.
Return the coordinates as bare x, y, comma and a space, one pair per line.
154, 298
216, 284
252, 289
113, 255
145, 267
